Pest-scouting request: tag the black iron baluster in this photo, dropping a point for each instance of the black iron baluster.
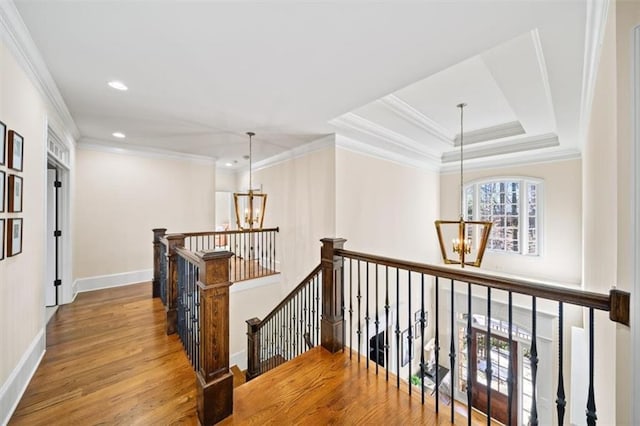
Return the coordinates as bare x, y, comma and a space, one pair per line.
591, 399
377, 324
318, 281
410, 333
452, 349
510, 378
343, 307
351, 308
561, 402
423, 368
488, 372
437, 343
468, 340
367, 343
533, 420
359, 297
398, 328
386, 315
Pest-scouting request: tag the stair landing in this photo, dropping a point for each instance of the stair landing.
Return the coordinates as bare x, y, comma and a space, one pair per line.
323, 388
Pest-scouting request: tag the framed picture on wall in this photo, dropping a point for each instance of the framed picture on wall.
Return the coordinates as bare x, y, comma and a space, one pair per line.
3, 142
15, 151
14, 188
14, 237
1, 239
407, 355
2, 178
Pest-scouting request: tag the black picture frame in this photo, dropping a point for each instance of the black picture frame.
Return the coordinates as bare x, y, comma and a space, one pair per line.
3, 143
15, 190
2, 187
1, 239
15, 151
14, 237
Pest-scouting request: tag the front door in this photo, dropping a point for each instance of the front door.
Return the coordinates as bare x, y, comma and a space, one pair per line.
500, 352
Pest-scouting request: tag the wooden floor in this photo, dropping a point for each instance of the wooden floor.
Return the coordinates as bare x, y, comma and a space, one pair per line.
109, 362
242, 270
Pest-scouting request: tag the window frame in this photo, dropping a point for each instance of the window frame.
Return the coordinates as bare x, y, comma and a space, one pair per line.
523, 216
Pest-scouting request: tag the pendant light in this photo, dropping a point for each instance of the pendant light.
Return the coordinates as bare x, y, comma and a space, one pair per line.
462, 250
250, 206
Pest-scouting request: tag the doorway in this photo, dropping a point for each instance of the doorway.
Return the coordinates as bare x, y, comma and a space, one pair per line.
53, 279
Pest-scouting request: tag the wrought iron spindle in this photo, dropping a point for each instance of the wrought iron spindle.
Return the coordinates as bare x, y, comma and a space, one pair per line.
510, 378
591, 399
437, 342
398, 328
488, 370
452, 348
359, 297
533, 420
561, 402
351, 308
423, 367
366, 318
163, 274
386, 315
468, 341
377, 324
410, 333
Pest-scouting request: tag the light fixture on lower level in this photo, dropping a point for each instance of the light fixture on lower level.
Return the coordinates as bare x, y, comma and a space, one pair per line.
462, 250
252, 204
118, 135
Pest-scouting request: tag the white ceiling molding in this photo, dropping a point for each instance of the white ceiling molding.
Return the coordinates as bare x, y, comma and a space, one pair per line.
412, 115
363, 148
18, 39
142, 151
499, 131
597, 12
544, 74
511, 146
299, 151
353, 121
504, 161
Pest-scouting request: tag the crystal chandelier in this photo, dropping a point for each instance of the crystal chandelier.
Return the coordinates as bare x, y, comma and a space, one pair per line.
462, 251
250, 206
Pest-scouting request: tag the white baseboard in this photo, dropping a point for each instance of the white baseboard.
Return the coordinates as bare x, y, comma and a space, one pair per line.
13, 388
239, 359
115, 280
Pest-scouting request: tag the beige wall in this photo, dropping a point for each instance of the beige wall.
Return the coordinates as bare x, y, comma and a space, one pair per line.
560, 259
21, 277
119, 198
301, 201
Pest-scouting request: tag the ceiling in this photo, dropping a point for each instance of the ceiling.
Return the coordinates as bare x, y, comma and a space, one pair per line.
389, 74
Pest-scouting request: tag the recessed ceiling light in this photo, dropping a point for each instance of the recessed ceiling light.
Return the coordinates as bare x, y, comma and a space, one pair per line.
118, 85
228, 164
119, 135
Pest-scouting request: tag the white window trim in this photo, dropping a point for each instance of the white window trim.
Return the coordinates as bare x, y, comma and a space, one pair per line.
524, 212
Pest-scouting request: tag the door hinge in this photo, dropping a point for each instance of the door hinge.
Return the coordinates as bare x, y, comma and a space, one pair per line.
57, 282
57, 184
57, 233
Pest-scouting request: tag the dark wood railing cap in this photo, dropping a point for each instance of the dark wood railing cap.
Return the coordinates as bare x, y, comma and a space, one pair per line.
213, 255
172, 237
333, 240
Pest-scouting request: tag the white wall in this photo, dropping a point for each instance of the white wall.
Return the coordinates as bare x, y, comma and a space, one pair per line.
120, 197
560, 259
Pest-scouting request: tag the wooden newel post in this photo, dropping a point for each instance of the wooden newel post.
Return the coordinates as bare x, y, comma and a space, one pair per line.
175, 240
214, 379
157, 252
253, 348
331, 329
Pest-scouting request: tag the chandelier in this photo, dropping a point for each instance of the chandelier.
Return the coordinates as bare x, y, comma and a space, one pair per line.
250, 206
462, 250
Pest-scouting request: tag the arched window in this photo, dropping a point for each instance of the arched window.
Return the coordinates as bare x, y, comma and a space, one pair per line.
513, 206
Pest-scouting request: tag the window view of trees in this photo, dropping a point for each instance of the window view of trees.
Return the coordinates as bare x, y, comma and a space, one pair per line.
512, 207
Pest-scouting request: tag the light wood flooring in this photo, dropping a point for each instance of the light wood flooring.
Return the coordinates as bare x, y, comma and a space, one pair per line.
109, 362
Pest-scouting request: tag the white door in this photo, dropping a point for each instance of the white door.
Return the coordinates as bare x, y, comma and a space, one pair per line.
49, 282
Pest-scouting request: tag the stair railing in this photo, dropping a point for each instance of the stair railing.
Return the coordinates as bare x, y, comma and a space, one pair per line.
290, 329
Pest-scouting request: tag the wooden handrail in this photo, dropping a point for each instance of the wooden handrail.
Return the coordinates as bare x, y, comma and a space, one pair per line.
290, 296
616, 302
188, 255
230, 231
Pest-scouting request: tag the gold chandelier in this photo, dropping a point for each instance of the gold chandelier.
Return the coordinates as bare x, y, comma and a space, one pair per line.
462, 251
252, 203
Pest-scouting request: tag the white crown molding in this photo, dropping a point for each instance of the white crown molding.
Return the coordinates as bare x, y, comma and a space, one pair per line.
412, 115
18, 39
542, 65
499, 131
353, 122
324, 142
142, 151
597, 12
350, 144
504, 161
511, 146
